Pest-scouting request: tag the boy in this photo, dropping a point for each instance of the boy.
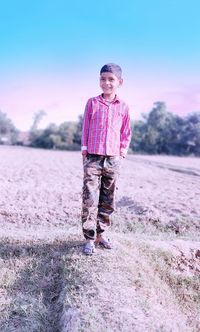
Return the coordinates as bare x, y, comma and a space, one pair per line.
106, 136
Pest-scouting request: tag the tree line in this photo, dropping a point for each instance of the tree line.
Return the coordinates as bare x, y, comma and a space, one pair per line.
158, 132
161, 132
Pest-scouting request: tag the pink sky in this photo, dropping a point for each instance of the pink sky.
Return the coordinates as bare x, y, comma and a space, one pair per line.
63, 98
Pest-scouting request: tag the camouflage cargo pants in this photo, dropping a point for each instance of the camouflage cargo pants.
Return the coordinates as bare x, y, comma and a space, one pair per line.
99, 185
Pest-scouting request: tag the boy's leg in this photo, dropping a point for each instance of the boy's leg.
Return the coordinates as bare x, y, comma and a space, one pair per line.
106, 204
91, 187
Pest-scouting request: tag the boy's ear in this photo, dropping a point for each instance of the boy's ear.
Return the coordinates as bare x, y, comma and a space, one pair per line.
120, 81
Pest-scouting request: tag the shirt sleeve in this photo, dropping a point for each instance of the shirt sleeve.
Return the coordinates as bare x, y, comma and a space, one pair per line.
86, 126
125, 133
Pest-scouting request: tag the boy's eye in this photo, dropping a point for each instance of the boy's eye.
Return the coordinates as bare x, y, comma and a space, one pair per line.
103, 79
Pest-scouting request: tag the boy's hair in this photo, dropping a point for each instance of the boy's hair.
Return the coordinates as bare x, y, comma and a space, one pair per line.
112, 68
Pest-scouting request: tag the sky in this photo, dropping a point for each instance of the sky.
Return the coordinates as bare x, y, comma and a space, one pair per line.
51, 53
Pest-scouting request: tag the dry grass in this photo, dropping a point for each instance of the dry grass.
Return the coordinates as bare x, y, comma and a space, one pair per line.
149, 282
34, 280
51, 286
181, 273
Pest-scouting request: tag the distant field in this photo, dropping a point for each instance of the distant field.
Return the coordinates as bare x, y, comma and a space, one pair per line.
149, 282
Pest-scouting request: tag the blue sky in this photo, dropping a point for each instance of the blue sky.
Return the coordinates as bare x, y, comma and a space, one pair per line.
51, 53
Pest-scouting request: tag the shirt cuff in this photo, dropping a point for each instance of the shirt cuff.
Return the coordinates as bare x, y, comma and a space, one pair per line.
84, 150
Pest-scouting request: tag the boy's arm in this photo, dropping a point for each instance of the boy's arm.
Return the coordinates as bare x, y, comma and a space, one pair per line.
125, 133
85, 127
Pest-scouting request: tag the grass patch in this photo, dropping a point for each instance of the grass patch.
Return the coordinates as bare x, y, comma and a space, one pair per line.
34, 274
184, 284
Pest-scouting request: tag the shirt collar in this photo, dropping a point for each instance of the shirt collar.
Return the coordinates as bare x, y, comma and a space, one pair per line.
101, 99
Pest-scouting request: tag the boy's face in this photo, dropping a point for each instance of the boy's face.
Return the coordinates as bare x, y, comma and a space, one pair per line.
109, 83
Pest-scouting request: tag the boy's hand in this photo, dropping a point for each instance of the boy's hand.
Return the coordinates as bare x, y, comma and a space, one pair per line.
84, 156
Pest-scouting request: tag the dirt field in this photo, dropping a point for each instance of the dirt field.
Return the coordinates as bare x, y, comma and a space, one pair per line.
150, 281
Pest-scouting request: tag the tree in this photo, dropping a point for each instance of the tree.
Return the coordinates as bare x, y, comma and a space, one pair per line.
78, 133
56, 137
35, 133
8, 132
67, 131
139, 129
37, 118
163, 132
190, 134
43, 138
157, 129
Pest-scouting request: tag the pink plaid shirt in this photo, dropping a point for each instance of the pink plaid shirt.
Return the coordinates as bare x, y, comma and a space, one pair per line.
106, 127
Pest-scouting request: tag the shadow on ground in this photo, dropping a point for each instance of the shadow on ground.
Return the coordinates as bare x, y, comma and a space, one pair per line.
35, 303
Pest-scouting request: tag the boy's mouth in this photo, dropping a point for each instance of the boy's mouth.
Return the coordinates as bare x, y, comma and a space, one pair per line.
107, 88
